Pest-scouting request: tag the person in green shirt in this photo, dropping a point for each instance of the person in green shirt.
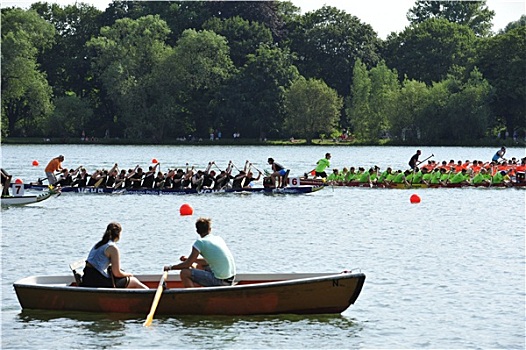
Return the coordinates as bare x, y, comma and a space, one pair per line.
334, 176
481, 178
461, 177
323, 164
351, 175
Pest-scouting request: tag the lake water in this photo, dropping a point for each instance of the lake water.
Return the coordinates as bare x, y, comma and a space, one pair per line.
446, 273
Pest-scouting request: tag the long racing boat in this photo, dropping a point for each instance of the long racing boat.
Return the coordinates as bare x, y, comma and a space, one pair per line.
302, 189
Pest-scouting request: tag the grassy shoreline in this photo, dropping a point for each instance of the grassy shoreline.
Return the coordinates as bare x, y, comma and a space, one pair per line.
255, 142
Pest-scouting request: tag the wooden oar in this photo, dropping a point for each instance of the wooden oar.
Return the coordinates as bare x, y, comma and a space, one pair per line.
432, 155
156, 299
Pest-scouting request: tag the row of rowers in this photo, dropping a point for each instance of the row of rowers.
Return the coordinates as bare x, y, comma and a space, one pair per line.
474, 173
154, 178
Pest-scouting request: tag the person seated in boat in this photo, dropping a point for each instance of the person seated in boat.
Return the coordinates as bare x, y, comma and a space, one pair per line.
136, 178
351, 175
385, 177
196, 181
6, 182
158, 181
149, 176
500, 178
216, 267
53, 166
178, 179
415, 176
279, 175
399, 177
81, 180
209, 179
238, 180
333, 177
250, 179
482, 178
103, 255
462, 177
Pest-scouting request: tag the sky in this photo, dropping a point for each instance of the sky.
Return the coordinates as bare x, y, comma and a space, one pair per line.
385, 16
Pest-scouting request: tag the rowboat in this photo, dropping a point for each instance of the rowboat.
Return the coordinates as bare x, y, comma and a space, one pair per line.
254, 294
183, 191
26, 199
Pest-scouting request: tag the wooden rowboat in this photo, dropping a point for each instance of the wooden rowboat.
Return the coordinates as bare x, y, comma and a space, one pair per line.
155, 191
23, 200
254, 294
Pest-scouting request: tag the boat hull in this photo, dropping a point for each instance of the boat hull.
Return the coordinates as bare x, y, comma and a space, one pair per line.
24, 200
253, 295
185, 191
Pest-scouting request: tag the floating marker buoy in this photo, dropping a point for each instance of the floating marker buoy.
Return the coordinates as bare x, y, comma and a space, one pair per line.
186, 209
155, 161
19, 181
35, 163
414, 199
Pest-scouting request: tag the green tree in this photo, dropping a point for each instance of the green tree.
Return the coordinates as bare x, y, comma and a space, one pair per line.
312, 108
428, 51
125, 55
70, 117
384, 83
243, 36
252, 101
188, 78
409, 106
474, 14
328, 42
26, 94
68, 64
359, 110
502, 61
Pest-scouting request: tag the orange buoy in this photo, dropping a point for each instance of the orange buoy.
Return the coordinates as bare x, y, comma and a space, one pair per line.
414, 199
186, 209
19, 181
35, 163
155, 161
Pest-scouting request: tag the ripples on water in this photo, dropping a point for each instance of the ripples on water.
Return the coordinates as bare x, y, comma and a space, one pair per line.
446, 273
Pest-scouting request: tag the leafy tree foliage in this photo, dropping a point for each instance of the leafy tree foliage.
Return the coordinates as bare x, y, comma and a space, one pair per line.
473, 14
502, 61
26, 93
312, 108
328, 42
255, 95
428, 51
243, 36
70, 116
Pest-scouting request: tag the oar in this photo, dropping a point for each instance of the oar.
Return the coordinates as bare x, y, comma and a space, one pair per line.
432, 155
156, 299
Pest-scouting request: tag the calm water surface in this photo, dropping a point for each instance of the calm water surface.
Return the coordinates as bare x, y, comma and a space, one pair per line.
446, 273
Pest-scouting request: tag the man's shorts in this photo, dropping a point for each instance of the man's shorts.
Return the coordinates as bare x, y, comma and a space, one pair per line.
282, 172
207, 279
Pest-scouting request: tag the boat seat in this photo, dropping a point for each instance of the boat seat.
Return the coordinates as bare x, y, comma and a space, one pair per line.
77, 267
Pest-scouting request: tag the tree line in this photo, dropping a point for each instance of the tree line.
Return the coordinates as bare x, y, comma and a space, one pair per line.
169, 70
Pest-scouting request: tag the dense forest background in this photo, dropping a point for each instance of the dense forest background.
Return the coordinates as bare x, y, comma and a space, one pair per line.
260, 70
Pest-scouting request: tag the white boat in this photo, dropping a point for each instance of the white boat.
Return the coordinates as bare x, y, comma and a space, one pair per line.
23, 200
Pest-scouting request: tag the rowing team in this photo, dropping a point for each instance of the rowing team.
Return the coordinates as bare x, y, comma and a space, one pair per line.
153, 178
467, 173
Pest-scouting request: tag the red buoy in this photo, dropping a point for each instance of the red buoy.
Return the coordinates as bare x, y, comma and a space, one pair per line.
186, 209
35, 163
414, 199
19, 181
155, 161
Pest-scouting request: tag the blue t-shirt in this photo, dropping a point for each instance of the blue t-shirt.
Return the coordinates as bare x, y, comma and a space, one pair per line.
214, 249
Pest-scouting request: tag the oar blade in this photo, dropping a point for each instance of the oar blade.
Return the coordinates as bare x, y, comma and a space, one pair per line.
157, 297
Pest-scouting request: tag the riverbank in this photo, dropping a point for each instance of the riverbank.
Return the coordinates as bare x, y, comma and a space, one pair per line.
256, 142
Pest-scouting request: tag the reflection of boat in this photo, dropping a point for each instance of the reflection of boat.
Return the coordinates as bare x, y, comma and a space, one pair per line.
254, 294
155, 191
23, 200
